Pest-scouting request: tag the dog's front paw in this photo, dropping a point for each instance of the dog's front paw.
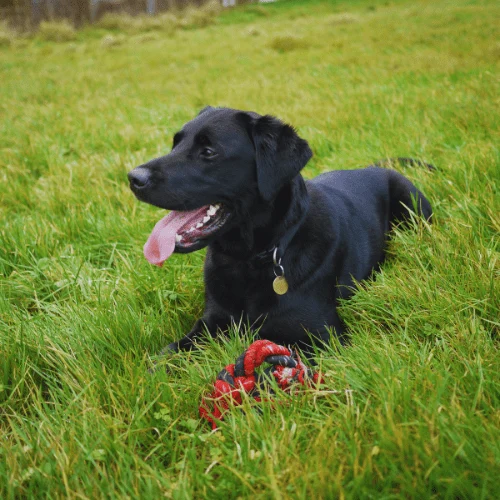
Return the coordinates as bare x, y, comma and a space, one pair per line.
165, 353
170, 349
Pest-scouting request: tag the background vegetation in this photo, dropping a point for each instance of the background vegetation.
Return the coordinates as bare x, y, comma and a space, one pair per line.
27, 14
410, 409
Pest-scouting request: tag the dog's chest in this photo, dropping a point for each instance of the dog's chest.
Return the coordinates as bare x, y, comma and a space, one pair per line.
260, 298
241, 292
241, 288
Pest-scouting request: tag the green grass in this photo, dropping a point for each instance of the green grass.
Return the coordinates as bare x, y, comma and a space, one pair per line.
409, 410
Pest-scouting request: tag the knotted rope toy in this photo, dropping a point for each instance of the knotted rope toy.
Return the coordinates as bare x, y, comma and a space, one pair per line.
239, 378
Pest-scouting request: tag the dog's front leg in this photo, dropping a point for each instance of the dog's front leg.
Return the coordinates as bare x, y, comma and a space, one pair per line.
186, 343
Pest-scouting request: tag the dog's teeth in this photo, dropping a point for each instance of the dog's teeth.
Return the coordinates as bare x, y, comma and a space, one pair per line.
206, 219
199, 225
190, 230
211, 210
178, 237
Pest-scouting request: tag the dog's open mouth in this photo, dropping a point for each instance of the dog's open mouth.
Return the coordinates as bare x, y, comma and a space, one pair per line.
183, 231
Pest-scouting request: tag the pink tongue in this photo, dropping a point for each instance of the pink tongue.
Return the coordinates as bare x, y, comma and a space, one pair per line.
161, 243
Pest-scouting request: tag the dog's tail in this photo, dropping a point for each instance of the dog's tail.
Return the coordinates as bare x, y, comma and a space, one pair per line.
405, 162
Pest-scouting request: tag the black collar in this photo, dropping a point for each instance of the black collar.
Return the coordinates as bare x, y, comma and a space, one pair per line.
276, 252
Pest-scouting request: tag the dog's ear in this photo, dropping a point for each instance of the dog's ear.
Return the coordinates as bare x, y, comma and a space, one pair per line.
204, 110
280, 154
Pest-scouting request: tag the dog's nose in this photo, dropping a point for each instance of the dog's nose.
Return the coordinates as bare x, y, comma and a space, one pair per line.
139, 178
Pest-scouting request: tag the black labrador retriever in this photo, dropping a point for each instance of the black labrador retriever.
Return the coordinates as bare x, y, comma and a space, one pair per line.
281, 250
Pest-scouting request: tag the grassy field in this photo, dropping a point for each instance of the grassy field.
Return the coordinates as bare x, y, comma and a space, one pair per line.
409, 410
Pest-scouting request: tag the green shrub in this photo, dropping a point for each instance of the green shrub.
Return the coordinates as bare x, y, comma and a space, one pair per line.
343, 18
117, 22
56, 31
199, 18
169, 22
146, 37
253, 31
112, 40
258, 10
286, 43
149, 23
5, 39
7, 36
166, 23
123, 22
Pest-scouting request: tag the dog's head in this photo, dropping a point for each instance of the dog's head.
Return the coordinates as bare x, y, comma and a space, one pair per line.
224, 165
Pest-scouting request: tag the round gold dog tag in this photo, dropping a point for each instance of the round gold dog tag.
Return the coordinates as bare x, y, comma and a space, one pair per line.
280, 285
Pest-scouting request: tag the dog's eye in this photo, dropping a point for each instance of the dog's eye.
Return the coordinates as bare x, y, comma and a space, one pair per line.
208, 153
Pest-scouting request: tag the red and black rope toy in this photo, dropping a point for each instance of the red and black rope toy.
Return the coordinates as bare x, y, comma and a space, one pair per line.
240, 377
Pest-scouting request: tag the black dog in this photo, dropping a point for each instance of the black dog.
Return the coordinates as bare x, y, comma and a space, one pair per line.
232, 180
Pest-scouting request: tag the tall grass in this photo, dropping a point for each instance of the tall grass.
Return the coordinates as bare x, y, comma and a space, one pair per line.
409, 409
